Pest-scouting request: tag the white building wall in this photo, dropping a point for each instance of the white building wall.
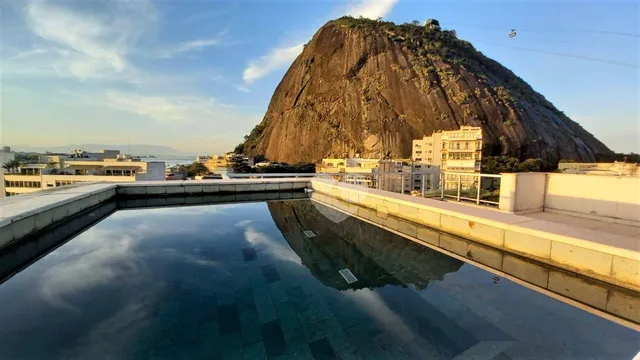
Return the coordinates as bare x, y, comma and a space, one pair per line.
155, 171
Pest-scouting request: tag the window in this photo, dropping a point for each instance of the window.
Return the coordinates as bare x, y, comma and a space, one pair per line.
418, 152
418, 159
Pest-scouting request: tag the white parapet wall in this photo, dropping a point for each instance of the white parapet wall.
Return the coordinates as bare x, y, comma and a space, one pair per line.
607, 197
600, 255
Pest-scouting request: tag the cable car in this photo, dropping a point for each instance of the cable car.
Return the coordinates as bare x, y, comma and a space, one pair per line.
512, 34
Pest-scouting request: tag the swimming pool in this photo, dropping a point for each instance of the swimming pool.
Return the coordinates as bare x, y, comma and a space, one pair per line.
276, 280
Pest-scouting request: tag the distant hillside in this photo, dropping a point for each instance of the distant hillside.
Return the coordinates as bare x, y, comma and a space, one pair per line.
136, 149
369, 87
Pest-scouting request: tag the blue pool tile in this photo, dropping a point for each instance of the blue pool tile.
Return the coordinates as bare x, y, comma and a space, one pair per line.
250, 326
284, 356
277, 291
273, 338
296, 338
301, 352
349, 353
266, 310
245, 300
186, 331
228, 318
298, 298
209, 332
203, 350
270, 273
249, 254
321, 350
208, 308
255, 351
316, 330
231, 346
226, 293
208, 253
287, 315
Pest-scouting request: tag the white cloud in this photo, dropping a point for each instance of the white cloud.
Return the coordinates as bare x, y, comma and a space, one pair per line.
242, 88
277, 59
282, 57
95, 43
371, 9
197, 44
166, 109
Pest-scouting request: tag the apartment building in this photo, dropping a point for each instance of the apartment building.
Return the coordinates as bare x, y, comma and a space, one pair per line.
54, 170
451, 150
357, 171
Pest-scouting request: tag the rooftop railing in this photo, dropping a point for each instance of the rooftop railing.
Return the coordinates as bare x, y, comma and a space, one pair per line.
482, 189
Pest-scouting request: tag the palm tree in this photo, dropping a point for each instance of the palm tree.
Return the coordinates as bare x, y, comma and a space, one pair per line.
11, 165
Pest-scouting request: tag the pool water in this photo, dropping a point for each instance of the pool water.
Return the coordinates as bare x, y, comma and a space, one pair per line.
276, 280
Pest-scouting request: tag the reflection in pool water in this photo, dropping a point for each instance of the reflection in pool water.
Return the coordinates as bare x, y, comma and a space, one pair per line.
242, 280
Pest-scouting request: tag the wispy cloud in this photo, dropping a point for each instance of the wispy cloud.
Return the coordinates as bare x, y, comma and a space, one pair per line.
166, 109
275, 60
281, 57
98, 42
192, 45
241, 88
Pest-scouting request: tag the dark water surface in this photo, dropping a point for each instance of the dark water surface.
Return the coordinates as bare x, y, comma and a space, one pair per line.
243, 281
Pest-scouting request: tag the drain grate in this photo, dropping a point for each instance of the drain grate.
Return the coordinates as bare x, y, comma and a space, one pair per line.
348, 276
309, 233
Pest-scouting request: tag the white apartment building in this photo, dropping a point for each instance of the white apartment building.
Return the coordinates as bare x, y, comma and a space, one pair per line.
51, 170
359, 170
451, 150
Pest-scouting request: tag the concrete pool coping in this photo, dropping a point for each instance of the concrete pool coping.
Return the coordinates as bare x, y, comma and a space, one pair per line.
604, 256
23, 215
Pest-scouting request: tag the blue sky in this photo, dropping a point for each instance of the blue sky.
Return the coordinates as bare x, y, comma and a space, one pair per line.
198, 75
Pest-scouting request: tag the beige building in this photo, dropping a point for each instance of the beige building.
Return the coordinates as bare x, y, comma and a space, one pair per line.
451, 150
358, 170
50, 171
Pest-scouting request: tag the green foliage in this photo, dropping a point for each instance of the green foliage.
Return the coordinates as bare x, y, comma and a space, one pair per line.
194, 169
12, 165
239, 149
504, 164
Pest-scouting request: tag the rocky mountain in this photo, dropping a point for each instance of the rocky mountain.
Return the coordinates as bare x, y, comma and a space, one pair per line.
371, 87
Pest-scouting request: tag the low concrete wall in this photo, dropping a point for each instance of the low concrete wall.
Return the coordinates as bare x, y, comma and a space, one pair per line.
522, 193
610, 197
24, 215
608, 257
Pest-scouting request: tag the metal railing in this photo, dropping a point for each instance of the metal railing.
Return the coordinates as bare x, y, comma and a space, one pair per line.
469, 187
475, 187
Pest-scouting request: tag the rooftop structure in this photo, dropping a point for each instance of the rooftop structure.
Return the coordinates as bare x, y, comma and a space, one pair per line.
617, 168
48, 171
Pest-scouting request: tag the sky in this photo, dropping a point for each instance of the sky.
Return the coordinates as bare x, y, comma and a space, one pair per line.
197, 75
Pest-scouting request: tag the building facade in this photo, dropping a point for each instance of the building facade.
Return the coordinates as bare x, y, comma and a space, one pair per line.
50, 171
452, 151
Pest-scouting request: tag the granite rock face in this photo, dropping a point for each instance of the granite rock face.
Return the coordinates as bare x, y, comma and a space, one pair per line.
370, 88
